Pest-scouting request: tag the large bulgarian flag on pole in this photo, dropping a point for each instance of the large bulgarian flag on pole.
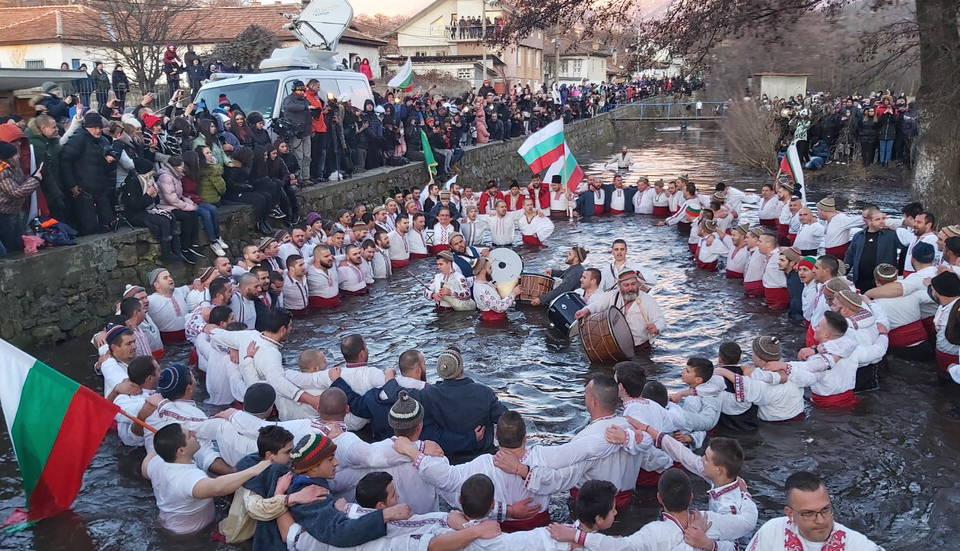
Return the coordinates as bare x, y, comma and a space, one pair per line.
404, 78
791, 166
55, 424
544, 147
567, 167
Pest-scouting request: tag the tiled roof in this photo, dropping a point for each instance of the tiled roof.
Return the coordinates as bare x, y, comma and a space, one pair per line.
40, 24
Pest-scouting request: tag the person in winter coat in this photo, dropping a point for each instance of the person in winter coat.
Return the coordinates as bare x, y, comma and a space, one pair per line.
51, 102
298, 110
495, 127
15, 188
239, 190
888, 127
270, 187
365, 69
210, 137
278, 173
101, 83
319, 137
480, 123
86, 162
159, 142
83, 86
209, 212
141, 197
868, 129
256, 128
288, 158
373, 134
196, 74
121, 85
44, 136
181, 207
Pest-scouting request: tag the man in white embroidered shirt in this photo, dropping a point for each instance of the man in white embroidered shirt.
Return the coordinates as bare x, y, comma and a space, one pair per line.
640, 310
808, 522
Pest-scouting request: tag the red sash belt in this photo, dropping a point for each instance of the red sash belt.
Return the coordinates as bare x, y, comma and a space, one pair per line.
157, 354
622, 500
533, 241
647, 479
769, 223
945, 360
173, 337
642, 347
708, 266
398, 264
418, 256
843, 400
361, 292
839, 251
435, 249
321, 302
558, 214
792, 237
522, 525
931, 329
778, 298
597, 210
694, 248
783, 230
491, 316
616, 211
753, 288
194, 358
661, 212
910, 334
810, 340
734, 275
441, 308
672, 210
300, 313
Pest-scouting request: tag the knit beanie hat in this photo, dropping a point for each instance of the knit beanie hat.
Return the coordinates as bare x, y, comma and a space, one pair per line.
154, 274
792, 253
405, 413
947, 232
132, 290
259, 398
923, 252
115, 332
757, 231
446, 255
742, 228
835, 285
312, 217
710, 225
310, 451
253, 118
452, 235
449, 364
49, 87
885, 272
7, 150
786, 185
92, 119
807, 262
265, 242
149, 121
850, 299
143, 166
946, 284
827, 204
767, 348
173, 381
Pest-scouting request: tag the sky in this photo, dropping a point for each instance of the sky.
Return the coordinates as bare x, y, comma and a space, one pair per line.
373, 7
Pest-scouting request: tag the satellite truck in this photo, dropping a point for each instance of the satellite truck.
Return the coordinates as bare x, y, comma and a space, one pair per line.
318, 27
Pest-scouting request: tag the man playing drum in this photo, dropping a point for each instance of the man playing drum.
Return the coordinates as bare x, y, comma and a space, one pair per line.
641, 311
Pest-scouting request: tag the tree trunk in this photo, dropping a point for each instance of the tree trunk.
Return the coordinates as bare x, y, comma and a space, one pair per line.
937, 174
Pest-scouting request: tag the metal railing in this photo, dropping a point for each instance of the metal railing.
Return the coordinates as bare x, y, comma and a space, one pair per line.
671, 110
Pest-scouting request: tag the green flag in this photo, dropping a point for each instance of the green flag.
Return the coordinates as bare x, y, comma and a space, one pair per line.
428, 153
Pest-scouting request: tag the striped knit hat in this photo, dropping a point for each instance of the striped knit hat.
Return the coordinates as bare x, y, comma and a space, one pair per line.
154, 275
449, 364
115, 332
742, 228
310, 451
792, 253
710, 225
827, 204
691, 211
947, 232
405, 413
173, 381
835, 285
132, 290
807, 261
885, 272
850, 300
767, 348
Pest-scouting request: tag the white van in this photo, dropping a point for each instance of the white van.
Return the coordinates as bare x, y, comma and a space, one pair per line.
264, 92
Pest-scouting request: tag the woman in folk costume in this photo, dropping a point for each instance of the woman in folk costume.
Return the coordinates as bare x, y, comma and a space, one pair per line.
492, 307
449, 288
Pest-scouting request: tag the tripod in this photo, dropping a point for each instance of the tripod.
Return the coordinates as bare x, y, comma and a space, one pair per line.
119, 217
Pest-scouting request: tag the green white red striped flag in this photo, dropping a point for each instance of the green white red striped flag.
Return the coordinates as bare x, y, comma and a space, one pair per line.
55, 424
544, 146
404, 78
570, 173
792, 167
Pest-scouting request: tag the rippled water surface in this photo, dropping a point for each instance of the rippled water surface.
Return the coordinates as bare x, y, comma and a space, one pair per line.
891, 464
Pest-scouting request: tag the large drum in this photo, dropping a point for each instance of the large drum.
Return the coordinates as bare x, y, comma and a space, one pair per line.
562, 312
505, 264
534, 285
606, 337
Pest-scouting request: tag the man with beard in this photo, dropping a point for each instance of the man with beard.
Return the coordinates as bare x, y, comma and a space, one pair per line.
808, 522
296, 298
502, 225
298, 237
368, 251
923, 232
464, 257
594, 201
535, 228
168, 306
493, 307
416, 241
323, 280
381, 266
397, 245
570, 276
560, 199
350, 273
641, 311
245, 306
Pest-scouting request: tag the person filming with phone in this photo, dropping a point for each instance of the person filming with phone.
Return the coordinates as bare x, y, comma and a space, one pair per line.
15, 189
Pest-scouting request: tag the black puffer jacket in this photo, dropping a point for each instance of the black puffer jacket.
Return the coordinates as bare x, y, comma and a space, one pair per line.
83, 163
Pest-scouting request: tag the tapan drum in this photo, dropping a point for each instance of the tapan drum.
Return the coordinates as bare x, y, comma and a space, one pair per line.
606, 337
563, 310
534, 285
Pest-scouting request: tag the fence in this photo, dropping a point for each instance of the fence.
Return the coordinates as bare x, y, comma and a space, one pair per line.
671, 111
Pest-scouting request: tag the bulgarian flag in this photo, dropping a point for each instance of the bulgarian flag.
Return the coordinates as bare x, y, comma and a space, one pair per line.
428, 153
55, 424
544, 147
568, 169
791, 166
404, 78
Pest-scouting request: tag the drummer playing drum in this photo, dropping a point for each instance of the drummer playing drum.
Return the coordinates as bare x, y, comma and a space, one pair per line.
641, 311
570, 275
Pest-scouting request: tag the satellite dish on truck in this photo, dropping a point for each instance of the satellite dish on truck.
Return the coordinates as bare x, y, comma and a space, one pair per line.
318, 27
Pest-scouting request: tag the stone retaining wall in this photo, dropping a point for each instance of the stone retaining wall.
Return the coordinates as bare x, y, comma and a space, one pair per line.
68, 292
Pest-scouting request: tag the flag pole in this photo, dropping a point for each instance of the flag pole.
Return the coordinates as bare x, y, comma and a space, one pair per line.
137, 421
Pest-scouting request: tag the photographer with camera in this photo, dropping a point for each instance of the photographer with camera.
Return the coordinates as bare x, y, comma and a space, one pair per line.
319, 139
88, 159
298, 109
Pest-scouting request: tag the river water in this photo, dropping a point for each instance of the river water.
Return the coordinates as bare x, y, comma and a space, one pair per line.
887, 463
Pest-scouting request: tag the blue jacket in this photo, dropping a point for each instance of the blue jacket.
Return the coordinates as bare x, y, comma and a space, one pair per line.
889, 249
460, 405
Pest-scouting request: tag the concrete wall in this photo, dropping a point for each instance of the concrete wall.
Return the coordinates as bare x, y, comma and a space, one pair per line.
67, 292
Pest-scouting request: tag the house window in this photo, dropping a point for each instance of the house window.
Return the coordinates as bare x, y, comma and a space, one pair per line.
564, 67
548, 67
75, 63
33, 64
420, 54
465, 74
577, 66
